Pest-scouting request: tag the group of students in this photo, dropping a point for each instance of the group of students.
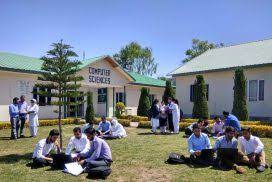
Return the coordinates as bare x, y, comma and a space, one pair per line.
19, 110
228, 156
217, 128
87, 146
165, 115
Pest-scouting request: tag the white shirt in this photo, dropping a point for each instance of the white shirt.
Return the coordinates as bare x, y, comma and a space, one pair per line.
218, 127
79, 145
253, 145
33, 116
42, 149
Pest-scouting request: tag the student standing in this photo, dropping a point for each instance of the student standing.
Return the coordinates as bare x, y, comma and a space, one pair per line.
163, 118
176, 115
33, 110
22, 115
14, 118
155, 114
169, 115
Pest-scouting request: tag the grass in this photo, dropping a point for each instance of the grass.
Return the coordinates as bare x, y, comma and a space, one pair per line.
139, 157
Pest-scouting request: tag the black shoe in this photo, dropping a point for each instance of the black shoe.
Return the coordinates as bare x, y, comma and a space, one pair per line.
22, 136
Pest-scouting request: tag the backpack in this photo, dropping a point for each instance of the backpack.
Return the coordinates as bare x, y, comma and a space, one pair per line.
175, 158
101, 172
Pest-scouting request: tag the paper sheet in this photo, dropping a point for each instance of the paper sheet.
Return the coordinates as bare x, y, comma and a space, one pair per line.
73, 168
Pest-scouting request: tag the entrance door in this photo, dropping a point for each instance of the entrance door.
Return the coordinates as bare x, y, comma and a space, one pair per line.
102, 94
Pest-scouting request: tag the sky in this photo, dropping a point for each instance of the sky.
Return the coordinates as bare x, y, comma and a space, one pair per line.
102, 27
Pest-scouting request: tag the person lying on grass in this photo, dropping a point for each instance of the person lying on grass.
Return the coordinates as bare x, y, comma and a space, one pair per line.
253, 150
104, 127
98, 155
229, 141
78, 143
41, 156
117, 130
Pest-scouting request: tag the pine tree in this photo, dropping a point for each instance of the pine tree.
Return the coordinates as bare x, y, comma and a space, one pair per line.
200, 108
144, 103
240, 101
168, 92
89, 116
58, 79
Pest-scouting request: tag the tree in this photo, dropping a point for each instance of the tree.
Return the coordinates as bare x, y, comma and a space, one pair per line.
144, 103
58, 79
200, 108
133, 57
120, 109
89, 115
240, 100
168, 92
199, 47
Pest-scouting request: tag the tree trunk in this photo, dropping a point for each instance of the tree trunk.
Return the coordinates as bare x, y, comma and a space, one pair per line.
60, 129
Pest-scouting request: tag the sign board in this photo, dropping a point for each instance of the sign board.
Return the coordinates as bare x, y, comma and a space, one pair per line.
99, 75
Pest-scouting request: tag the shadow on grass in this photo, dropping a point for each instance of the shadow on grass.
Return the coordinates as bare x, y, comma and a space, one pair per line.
5, 138
14, 158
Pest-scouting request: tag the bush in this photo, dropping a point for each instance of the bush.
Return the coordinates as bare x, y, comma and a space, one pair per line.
120, 108
144, 124
124, 122
89, 115
47, 122
240, 99
144, 103
168, 92
200, 108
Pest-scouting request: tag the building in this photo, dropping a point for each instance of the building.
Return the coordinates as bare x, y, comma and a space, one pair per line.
108, 82
218, 66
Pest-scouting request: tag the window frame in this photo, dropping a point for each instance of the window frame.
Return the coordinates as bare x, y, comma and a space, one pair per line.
258, 91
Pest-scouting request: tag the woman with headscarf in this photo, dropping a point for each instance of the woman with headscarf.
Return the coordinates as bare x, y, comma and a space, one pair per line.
117, 130
33, 110
176, 115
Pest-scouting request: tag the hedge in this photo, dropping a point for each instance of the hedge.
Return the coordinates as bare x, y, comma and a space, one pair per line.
48, 122
262, 123
134, 118
124, 122
258, 130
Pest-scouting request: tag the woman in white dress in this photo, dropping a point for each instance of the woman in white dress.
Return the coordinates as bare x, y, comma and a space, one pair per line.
176, 115
33, 110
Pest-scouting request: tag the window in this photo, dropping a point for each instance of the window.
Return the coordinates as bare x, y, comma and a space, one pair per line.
152, 97
119, 97
255, 90
261, 90
102, 95
192, 90
41, 100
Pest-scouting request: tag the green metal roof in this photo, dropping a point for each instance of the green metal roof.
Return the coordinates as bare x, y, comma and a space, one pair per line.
146, 80
19, 63
15, 62
252, 54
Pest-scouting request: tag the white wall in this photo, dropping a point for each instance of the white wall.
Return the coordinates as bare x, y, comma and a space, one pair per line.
221, 91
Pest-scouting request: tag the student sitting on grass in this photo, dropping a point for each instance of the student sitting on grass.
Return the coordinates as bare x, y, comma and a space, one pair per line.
89, 124
104, 126
229, 141
78, 143
99, 153
196, 143
205, 127
189, 129
41, 156
253, 148
217, 126
231, 120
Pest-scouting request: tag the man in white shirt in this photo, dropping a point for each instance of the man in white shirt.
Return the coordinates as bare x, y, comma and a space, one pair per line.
253, 148
42, 149
217, 126
78, 143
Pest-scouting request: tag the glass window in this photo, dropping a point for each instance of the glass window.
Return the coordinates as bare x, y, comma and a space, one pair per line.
261, 90
102, 95
253, 90
119, 97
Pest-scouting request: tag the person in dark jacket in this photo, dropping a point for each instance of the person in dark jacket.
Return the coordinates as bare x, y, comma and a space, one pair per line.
169, 115
155, 115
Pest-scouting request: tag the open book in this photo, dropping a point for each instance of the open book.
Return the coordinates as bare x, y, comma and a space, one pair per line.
73, 168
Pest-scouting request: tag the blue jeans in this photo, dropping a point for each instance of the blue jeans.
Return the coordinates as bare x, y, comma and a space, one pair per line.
22, 118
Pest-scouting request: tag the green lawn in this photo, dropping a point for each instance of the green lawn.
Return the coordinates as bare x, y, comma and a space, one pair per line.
139, 157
